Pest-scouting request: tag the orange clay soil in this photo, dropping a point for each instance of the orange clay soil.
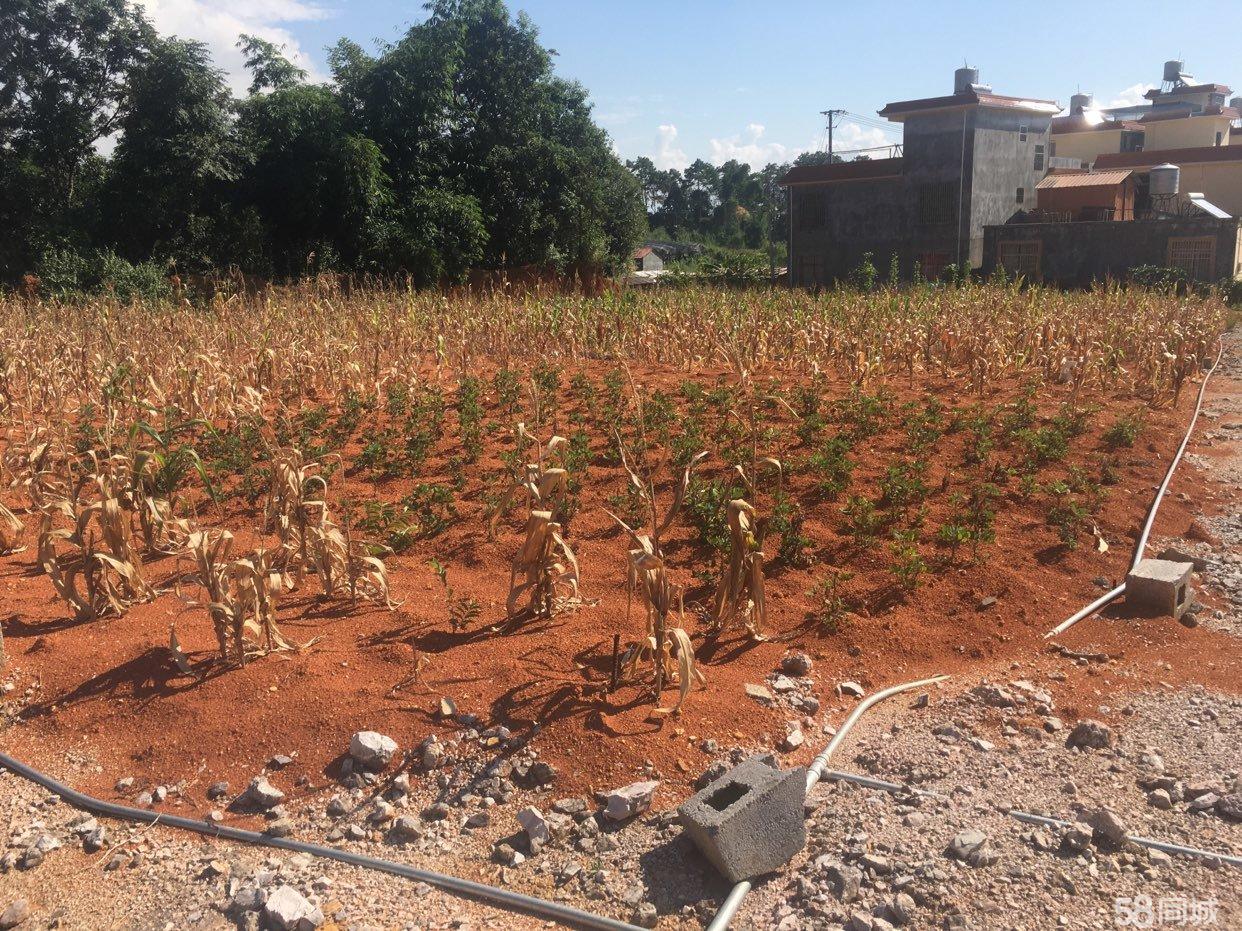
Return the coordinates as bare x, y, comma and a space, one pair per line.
109, 689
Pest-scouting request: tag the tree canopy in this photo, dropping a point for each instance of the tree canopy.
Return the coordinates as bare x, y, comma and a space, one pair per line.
454, 147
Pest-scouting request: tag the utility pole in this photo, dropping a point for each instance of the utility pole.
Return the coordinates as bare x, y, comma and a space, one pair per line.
831, 116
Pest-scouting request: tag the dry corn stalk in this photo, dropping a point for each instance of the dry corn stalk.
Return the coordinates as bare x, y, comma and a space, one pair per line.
546, 486
243, 594
669, 648
11, 532
740, 595
544, 570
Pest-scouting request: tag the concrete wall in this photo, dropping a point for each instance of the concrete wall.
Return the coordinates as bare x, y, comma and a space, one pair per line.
938, 149
835, 224
1088, 146
1079, 253
1188, 133
1219, 182
650, 263
1002, 164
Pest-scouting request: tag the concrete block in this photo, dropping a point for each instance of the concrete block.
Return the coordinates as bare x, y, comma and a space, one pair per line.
1159, 586
750, 821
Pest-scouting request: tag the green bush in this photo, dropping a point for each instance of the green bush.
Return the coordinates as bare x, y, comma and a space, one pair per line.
66, 273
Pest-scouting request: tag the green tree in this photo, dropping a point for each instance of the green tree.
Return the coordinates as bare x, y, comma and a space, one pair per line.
176, 157
64, 66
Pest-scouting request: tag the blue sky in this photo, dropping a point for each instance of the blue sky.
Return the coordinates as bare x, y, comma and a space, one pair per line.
685, 79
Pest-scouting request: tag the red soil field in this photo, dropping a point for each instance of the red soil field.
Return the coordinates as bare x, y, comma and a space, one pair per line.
109, 688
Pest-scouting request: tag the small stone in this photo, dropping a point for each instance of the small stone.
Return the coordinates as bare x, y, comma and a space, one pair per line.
1093, 734
796, 663
279, 761
507, 855
262, 794
846, 881
758, 692
371, 749
985, 603
972, 847
1159, 798
850, 688
18, 911
1053, 725
287, 909
448, 707
1107, 825
437, 812
793, 739
124, 785
542, 773
900, 909
479, 819
535, 825
96, 840
783, 684
405, 830
630, 800
994, 696
645, 915
1204, 802
337, 807
1230, 806
1077, 837
217, 790
281, 827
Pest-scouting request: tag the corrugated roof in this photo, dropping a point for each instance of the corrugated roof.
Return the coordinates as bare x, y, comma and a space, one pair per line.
970, 98
642, 253
1197, 155
857, 170
1089, 179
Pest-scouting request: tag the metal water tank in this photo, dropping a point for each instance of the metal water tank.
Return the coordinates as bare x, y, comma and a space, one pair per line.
1081, 102
1165, 180
964, 78
1173, 70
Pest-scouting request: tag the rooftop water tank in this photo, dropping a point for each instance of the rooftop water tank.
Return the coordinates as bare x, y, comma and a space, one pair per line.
964, 78
1081, 102
1165, 180
1173, 70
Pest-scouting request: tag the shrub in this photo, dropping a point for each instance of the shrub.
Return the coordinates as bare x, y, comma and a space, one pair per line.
1124, 431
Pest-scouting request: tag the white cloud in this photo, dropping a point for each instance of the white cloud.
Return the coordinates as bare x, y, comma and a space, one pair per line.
668, 153
1132, 96
218, 23
750, 147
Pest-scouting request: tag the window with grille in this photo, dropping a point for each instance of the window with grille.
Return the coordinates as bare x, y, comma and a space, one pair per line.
932, 265
1021, 196
1039, 158
1195, 254
1022, 134
1020, 257
812, 210
936, 203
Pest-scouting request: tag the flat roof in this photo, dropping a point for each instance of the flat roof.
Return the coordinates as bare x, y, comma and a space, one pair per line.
1226, 113
1195, 156
1085, 179
969, 98
871, 169
1087, 122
